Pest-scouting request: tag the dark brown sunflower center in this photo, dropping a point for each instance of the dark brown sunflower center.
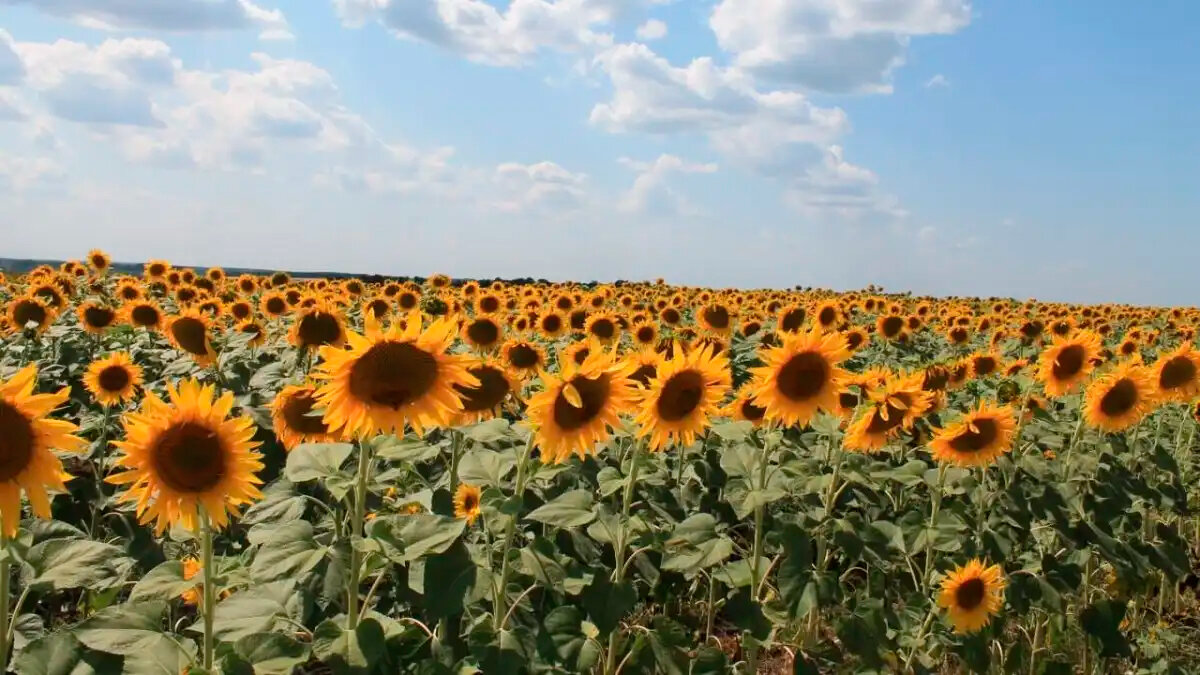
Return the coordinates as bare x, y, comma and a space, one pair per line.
17, 440
750, 328
157, 270
603, 329
803, 376
1069, 362
848, 399
717, 317
378, 307
670, 315
578, 319
470, 502
1177, 372
185, 294
240, 310
27, 311
1128, 347
319, 328
985, 365
483, 332
393, 374
958, 335
523, 356
114, 378
645, 334
827, 316
407, 300
276, 305
892, 325
593, 394
895, 415
144, 315
492, 389
644, 374
129, 293
188, 457
854, 339
99, 262
792, 320
552, 324
1120, 398
563, 303
978, 438
580, 355
680, 395
752, 412
296, 413
489, 304
969, 594
190, 334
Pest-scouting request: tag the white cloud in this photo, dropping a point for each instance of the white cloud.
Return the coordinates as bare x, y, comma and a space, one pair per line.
652, 191
165, 15
544, 185
835, 186
11, 68
938, 80
653, 29
830, 45
18, 174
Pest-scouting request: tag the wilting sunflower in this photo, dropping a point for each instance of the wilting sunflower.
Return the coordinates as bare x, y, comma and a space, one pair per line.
972, 595
30, 309
577, 409
99, 260
978, 438
294, 419
94, 317
481, 402
1177, 374
467, 502
188, 332
318, 326
386, 378
483, 333
679, 400
185, 453
523, 356
800, 376
1068, 361
896, 406
143, 314
114, 379
1120, 398
743, 408
28, 438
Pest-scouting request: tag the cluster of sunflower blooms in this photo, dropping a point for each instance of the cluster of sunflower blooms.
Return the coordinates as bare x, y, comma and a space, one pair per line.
573, 361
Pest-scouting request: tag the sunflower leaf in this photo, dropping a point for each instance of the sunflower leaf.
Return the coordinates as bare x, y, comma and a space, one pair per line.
570, 509
312, 461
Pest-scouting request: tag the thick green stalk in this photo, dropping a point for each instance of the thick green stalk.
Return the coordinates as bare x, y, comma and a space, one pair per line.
610, 659
356, 524
502, 591
209, 587
934, 507
5, 591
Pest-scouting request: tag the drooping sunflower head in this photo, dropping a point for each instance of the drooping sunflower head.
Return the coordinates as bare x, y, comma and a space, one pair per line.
467, 499
800, 376
684, 393
296, 418
387, 378
318, 326
188, 332
482, 402
1177, 374
577, 408
895, 406
30, 310
1068, 361
113, 380
483, 332
972, 595
28, 439
523, 357
978, 438
186, 453
143, 314
1120, 398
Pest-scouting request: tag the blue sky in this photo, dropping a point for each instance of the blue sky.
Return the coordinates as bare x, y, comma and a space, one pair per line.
1021, 148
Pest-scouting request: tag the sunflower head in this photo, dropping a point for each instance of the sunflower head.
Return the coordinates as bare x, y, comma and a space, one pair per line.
114, 379
801, 376
978, 438
318, 326
467, 502
972, 595
1177, 374
1068, 361
29, 310
791, 318
743, 408
577, 408
603, 327
483, 332
895, 405
684, 393
1120, 398
189, 333
481, 402
296, 418
523, 357
274, 304
143, 314
99, 260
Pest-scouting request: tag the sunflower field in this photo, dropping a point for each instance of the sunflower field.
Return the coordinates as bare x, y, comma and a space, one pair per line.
203, 473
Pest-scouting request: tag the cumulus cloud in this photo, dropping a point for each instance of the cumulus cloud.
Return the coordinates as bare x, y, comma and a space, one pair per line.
18, 174
653, 29
11, 68
830, 45
938, 80
542, 186
652, 191
165, 15
835, 186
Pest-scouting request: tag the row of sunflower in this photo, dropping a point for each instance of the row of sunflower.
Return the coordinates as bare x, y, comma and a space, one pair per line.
588, 478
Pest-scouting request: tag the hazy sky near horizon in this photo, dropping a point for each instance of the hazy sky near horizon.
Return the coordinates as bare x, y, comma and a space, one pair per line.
1022, 148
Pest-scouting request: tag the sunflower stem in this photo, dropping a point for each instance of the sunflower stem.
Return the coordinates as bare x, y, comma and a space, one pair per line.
935, 506
456, 443
610, 659
5, 590
356, 523
519, 492
209, 588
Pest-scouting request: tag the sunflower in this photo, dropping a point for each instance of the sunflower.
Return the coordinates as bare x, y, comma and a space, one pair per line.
791, 318
94, 317
522, 356
114, 379
743, 408
467, 502
551, 324
896, 406
645, 335
156, 270
972, 595
318, 326
1067, 362
483, 333
1177, 374
187, 453
193, 595
188, 332
408, 300
800, 376
715, 318
576, 409
215, 275
293, 419
828, 314
274, 304
481, 402
670, 316
28, 438
643, 365
603, 327
890, 326
1014, 367
129, 289
677, 402
99, 260
143, 314
983, 364
1120, 398
856, 339
978, 438
576, 352
386, 378
28, 309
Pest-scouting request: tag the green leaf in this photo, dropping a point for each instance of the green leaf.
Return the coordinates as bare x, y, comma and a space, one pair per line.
406, 538
406, 450
564, 626
59, 564
740, 460
485, 467
271, 653
254, 610
280, 505
164, 582
290, 551
488, 432
449, 578
570, 509
312, 461
733, 432
695, 545
62, 654
123, 629
1102, 621
350, 653
164, 657
607, 603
